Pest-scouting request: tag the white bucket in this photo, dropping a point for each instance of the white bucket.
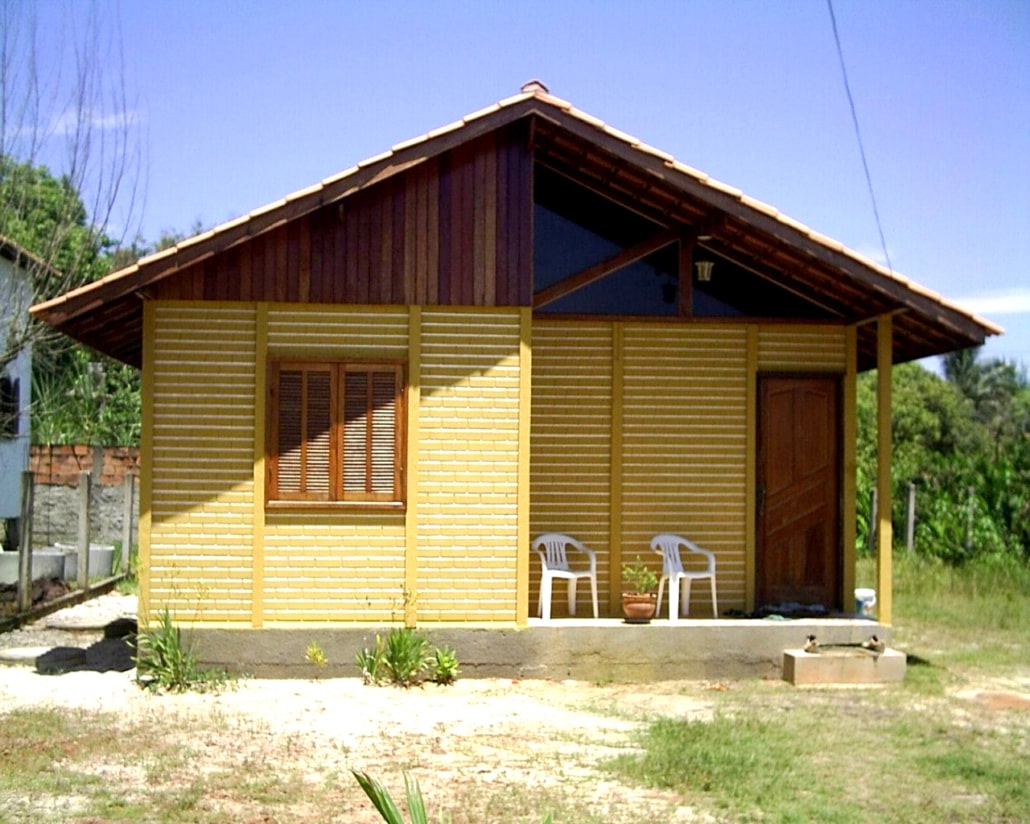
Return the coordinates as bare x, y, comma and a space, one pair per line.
865, 600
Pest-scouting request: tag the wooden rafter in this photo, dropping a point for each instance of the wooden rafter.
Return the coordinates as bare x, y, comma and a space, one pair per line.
599, 270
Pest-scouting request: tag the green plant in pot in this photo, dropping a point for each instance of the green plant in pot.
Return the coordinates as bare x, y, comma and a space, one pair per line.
639, 596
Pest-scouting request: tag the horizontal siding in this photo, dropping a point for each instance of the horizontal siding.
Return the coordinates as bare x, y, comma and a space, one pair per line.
321, 331
323, 566
801, 348
684, 445
467, 529
571, 441
202, 465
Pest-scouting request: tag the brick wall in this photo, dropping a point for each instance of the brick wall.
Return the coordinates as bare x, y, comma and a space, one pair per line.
62, 464
55, 511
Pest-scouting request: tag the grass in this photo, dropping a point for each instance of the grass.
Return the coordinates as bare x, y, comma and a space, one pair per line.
910, 752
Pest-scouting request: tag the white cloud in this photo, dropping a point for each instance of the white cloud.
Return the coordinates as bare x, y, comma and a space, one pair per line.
1007, 302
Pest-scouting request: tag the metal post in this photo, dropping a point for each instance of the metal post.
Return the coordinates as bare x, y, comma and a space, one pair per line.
25, 544
83, 543
130, 489
910, 527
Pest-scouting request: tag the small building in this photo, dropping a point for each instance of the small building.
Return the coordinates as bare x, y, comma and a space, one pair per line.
362, 401
15, 380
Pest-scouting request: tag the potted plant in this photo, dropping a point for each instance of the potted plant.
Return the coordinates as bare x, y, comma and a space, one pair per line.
639, 599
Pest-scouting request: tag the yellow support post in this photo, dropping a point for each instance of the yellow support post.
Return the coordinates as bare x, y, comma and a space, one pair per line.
525, 418
411, 488
751, 468
885, 530
850, 468
615, 491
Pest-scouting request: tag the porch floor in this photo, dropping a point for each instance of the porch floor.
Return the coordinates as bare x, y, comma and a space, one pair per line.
564, 648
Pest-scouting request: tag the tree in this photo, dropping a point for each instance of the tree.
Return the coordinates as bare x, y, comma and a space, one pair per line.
63, 106
965, 443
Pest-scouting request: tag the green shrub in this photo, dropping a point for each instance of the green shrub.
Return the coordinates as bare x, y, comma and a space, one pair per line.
403, 658
164, 662
444, 665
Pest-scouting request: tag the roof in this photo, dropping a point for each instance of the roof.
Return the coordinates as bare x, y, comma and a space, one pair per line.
107, 314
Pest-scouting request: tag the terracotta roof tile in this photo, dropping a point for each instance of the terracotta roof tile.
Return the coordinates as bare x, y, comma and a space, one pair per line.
568, 109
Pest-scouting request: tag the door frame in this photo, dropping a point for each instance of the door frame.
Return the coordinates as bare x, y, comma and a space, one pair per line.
839, 381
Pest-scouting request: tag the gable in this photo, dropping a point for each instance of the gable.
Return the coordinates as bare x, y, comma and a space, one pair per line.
447, 219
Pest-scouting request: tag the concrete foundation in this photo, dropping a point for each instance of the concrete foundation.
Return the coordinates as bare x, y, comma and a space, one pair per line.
582, 649
843, 666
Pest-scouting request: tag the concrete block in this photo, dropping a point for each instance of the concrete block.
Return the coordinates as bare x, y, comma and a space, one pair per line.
842, 666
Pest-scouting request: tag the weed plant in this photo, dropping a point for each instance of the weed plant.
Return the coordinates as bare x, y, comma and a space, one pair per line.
444, 666
403, 658
164, 661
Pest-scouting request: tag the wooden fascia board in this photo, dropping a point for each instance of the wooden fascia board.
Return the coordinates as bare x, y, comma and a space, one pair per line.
895, 291
585, 277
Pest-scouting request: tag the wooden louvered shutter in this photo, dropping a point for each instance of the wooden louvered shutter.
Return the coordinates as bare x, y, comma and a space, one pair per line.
370, 433
304, 412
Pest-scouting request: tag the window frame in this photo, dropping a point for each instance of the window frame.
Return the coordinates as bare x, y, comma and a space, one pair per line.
336, 494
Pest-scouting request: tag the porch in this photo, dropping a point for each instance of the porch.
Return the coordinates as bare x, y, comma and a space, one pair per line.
604, 649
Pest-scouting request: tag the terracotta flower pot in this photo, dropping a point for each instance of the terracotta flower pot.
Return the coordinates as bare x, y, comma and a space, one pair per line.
638, 607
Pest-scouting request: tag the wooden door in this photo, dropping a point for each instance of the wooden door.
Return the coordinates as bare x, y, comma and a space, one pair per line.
798, 541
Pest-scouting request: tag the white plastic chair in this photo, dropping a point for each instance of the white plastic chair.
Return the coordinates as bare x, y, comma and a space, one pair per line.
668, 546
554, 557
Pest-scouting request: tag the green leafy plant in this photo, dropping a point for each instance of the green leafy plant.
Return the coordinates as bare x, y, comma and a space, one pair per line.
639, 576
406, 656
444, 666
163, 661
403, 658
371, 662
387, 807
316, 655
384, 803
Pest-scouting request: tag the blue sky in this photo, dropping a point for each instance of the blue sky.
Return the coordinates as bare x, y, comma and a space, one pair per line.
239, 103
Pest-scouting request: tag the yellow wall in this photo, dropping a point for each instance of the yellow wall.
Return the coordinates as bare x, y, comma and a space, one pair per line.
667, 411
468, 465
197, 557
206, 522
636, 428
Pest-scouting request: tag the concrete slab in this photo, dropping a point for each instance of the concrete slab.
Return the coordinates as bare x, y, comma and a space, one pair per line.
845, 666
583, 649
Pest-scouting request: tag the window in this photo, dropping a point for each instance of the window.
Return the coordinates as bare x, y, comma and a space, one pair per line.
8, 407
336, 431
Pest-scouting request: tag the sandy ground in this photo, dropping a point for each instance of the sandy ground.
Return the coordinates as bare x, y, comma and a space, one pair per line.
498, 735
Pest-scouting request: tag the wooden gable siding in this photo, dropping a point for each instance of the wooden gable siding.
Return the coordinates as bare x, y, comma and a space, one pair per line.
197, 558
468, 466
454, 230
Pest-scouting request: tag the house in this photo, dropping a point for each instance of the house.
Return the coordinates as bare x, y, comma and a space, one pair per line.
15, 381
362, 401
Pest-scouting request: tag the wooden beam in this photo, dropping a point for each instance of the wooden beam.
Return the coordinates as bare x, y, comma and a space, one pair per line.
688, 239
605, 267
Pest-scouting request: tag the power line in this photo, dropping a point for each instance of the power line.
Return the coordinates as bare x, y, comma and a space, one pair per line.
858, 135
